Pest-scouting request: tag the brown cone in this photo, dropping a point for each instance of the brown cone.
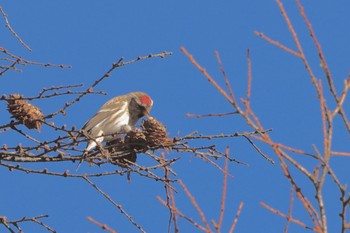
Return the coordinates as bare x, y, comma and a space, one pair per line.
155, 132
133, 141
136, 141
26, 113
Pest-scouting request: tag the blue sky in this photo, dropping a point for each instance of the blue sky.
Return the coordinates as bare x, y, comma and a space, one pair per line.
90, 36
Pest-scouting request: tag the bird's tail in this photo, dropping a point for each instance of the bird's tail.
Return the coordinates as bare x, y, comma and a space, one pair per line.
83, 157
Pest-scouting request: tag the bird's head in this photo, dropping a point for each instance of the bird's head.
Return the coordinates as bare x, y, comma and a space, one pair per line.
144, 103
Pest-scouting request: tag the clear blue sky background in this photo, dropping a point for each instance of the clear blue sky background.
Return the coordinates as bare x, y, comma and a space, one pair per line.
90, 35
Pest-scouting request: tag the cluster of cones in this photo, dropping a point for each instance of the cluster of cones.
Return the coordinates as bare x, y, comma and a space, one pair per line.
153, 134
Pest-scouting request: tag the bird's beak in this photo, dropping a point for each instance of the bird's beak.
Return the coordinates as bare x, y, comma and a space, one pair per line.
146, 114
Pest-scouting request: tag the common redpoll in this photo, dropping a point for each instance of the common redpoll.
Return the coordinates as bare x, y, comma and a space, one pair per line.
116, 117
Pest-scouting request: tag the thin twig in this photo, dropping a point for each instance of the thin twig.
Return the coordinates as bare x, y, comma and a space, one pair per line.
285, 216
32, 219
170, 199
235, 220
7, 23
290, 211
206, 74
258, 150
194, 203
324, 64
180, 214
103, 226
278, 44
224, 193
22, 61
210, 114
119, 207
227, 82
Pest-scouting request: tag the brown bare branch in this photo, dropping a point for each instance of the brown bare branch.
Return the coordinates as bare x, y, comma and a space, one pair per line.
118, 206
7, 23
16, 223
235, 220
195, 204
278, 44
103, 226
289, 219
224, 193
210, 114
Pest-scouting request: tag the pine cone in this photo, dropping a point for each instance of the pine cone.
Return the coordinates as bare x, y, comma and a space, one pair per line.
155, 132
133, 141
26, 113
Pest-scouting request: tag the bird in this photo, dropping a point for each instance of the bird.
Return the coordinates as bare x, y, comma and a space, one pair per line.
117, 116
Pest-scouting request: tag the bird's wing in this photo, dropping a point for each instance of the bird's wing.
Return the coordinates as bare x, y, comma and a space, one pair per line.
106, 113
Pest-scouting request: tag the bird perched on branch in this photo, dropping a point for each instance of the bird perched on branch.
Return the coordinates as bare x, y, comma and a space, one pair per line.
116, 117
